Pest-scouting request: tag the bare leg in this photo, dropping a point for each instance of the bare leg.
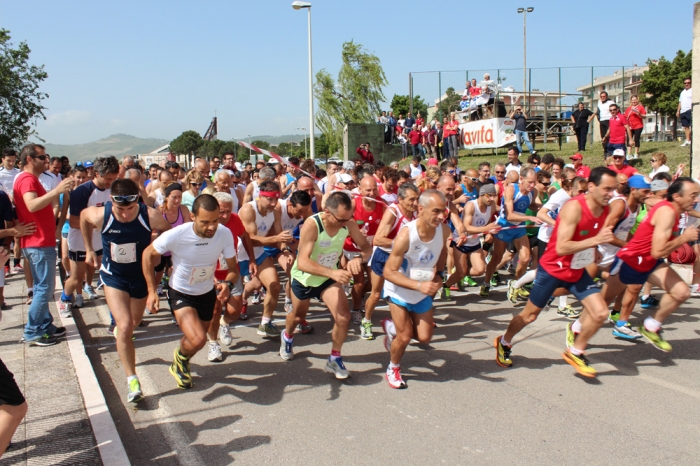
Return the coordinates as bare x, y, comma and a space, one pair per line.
127, 314
522, 245
594, 314
374, 296
334, 297
10, 417
195, 331
527, 316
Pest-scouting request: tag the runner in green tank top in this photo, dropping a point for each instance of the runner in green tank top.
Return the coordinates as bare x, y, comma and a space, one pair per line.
315, 274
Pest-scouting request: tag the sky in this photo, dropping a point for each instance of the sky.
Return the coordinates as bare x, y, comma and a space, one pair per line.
157, 68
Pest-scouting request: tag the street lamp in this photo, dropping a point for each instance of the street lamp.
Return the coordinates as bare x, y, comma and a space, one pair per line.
525, 11
297, 5
304, 130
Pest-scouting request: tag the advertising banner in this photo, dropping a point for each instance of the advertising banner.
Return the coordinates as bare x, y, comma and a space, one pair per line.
486, 134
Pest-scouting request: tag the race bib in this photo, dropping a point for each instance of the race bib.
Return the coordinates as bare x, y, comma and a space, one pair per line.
582, 258
421, 275
123, 253
201, 274
622, 235
328, 260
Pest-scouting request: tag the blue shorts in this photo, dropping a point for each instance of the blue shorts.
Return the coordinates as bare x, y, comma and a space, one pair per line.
272, 252
243, 267
465, 249
511, 235
135, 286
545, 284
378, 260
421, 307
261, 259
628, 275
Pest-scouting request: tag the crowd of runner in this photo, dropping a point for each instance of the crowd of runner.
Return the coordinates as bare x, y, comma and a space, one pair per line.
221, 237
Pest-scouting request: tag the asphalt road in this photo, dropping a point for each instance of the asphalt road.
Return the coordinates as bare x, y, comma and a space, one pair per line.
460, 406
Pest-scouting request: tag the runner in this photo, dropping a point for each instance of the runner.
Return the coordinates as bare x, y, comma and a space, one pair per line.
176, 214
315, 274
395, 217
94, 193
196, 247
414, 273
447, 186
641, 260
126, 227
252, 190
577, 232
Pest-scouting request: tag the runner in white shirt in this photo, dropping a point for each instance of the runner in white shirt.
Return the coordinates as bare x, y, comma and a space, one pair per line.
196, 248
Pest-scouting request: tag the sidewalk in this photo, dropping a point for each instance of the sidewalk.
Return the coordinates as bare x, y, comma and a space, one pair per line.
56, 429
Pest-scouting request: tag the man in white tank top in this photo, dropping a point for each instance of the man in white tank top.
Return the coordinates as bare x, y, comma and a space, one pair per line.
222, 184
262, 224
413, 275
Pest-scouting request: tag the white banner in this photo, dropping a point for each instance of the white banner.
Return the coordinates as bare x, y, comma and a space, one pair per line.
485, 134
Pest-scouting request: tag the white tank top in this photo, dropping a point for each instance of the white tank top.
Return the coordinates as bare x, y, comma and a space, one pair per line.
288, 223
160, 198
256, 190
418, 264
399, 222
621, 230
416, 171
234, 195
264, 225
479, 219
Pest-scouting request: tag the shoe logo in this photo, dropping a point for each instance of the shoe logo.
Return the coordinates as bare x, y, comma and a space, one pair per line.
179, 301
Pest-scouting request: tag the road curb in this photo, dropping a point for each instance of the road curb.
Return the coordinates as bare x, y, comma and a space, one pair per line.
108, 441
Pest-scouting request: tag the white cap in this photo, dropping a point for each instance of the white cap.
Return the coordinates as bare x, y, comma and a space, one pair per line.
618, 152
344, 178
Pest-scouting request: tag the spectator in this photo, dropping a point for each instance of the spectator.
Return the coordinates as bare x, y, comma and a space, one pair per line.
619, 164
384, 120
33, 205
581, 170
432, 142
414, 138
521, 129
415, 169
445, 139
438, 140
617, 129
635, 114
474, 89
409, 123
392, 128
419, 120
454, 135
364, 152
603, 114
658, 164
65, 168
401, 125
581, 117
685, 110
8, 171
513, 160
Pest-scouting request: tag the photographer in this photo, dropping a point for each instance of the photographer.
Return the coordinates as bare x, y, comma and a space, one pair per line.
364, 152
521, 129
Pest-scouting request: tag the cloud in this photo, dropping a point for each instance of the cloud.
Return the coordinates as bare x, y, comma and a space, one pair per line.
69, 118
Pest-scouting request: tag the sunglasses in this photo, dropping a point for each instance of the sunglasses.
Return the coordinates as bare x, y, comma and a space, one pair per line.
686, 83
340, 220
545, 184
196, 184
40, 157
125, 199
500, 173
474, 179
618, 156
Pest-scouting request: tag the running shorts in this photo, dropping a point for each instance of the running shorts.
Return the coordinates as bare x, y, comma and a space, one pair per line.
203, 304
421, 307
545, 284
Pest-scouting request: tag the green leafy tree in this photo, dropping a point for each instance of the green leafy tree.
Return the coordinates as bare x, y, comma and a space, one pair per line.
356, 96
662, 83
20, 99
449, 104
400, 104
188, 143
322, 147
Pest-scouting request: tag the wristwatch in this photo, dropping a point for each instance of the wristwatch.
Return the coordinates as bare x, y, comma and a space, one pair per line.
358, 255
229, 284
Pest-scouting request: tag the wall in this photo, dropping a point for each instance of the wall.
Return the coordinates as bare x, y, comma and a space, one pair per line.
359, 133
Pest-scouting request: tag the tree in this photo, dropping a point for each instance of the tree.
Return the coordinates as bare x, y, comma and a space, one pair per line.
20, 99
662, 83
355, 98
321, 145
188, 143
449, 104
400, 104
217, 148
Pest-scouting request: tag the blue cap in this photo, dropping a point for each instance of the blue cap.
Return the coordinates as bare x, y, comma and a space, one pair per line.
88, 164
638, 182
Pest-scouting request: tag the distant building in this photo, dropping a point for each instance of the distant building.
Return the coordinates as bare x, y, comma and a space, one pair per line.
160, 156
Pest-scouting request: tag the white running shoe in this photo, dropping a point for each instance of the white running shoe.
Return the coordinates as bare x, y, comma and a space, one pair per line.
393, 376
338, 368
288, 307
90, 291
225, 334
79, 301
214, 354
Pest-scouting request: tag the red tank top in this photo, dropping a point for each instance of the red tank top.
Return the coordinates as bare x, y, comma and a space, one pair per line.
570, 268
369, 219
637, 253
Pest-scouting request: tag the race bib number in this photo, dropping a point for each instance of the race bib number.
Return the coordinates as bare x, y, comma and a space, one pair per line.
328, 260
421, 275
123, 253
201, 274
582, 258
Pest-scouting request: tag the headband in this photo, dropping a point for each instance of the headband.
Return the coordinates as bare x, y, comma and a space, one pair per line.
172, 187
274, 194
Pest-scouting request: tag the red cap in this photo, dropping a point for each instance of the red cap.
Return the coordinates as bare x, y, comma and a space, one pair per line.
576, 157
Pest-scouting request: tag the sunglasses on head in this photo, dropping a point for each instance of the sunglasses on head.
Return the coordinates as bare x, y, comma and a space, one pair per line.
125, 199
40, 157
474, 179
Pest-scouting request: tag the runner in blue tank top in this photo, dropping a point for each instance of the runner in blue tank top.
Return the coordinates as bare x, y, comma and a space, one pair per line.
126, 227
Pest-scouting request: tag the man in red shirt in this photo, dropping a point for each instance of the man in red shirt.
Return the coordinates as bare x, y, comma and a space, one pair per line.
617, 130
365, 153
415, 137
619, 164
34, 205
635, 114
581, 170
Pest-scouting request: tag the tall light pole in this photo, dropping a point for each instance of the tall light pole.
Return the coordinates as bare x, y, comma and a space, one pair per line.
297, 5
304, 130
525, 11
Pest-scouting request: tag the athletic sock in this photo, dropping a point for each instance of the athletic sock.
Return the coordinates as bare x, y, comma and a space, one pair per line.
652, 324
365, 320
529, 277
644, 297
130, 378
30, 289
576, 326
504, 342
392, 366
562, 301
287, 300
287, 337
575, 352
334, 355
64, 297
265, 320
222, 322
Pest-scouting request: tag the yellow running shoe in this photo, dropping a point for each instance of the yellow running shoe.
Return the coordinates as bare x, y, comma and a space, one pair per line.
502, 353
580, 363
180, 369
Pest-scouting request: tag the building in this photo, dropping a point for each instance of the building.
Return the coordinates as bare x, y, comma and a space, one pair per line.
160, 156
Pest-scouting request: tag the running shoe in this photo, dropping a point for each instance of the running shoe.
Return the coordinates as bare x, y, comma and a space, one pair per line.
30, 296
626, 333
347, 289
17, 269
512, 293
650, 302
549, 302
288, 307
90, 291
286, 350
159, 289
366, 330
580, 363
268, 330
570, 335
568, 311
59, 332
484, 292
495, 278
256, 298
523, 294
135, 394
502, 353
388, 336
4, 307
64, 309
614, 317
393, 376
304, 327
469, 281
656, 339
173, 321
528, 286
111, 329
244, 311
7, 271
79, 301
338, 368
180, 369
214, 353
446, 293
695, 290
44, 340
225, 334
356, 316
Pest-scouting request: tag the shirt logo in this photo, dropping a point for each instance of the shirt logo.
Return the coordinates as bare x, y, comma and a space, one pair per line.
324, 243
584, 232
201, 244
114, 231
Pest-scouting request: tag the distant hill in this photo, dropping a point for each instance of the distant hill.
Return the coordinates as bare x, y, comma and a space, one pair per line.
116, 144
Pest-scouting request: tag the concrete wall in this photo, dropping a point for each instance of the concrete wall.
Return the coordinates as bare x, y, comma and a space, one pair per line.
359, 133
695, 150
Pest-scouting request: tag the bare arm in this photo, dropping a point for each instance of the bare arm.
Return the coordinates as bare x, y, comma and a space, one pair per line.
360, 240
158, 222
248, 218
248, 193
384, 228
35, 203
663, 224
617, 209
